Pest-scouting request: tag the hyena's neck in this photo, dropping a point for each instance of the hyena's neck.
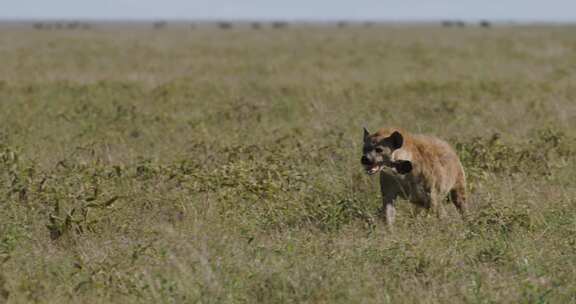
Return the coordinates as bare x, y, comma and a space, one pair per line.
403, 154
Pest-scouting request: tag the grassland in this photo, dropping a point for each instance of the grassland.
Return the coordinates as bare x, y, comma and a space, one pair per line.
222, 166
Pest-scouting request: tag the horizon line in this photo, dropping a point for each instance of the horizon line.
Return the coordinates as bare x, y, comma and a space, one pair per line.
286, 19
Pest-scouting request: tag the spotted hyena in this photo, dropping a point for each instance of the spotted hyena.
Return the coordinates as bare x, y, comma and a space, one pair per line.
423, 169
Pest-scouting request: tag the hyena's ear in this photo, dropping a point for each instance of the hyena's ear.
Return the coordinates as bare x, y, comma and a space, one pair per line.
366, 134
397, 140
403, 166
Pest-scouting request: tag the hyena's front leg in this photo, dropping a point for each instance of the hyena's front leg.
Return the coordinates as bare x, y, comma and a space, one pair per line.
389, 210
417, 209
390, 189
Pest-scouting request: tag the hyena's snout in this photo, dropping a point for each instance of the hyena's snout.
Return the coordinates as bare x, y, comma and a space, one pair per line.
370, 165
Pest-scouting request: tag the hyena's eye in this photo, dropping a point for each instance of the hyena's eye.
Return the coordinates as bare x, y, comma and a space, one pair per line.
379, 149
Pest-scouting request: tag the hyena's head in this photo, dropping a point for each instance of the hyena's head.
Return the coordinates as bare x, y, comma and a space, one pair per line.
377, 152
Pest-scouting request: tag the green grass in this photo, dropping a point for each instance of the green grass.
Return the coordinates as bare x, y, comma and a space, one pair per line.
183, 166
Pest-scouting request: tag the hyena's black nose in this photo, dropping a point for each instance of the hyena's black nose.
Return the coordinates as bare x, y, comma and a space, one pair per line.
364, 160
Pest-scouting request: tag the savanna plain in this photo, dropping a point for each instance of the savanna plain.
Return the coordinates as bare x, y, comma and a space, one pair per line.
211, 165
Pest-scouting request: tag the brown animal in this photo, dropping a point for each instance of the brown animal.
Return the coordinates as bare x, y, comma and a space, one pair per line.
420, 168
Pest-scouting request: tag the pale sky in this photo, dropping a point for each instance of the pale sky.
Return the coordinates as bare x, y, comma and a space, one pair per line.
506, 10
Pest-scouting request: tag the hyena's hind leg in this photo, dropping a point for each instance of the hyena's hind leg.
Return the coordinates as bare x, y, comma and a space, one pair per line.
436, 205
458, 197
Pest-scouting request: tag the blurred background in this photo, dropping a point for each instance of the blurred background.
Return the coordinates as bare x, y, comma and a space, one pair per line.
296, 10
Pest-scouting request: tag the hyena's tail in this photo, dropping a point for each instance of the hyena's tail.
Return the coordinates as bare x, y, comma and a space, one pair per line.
458, 194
